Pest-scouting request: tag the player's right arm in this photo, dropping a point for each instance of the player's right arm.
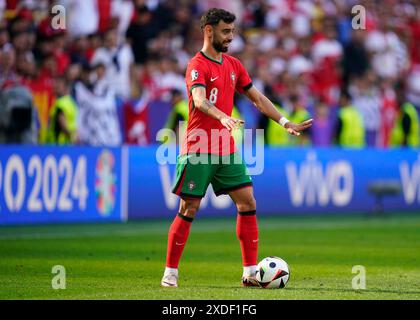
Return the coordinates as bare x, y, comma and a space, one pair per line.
205, 106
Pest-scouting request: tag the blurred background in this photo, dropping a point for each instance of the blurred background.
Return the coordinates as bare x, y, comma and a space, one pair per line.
110, 74
130, 57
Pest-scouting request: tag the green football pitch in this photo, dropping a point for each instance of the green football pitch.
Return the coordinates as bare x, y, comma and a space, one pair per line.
126, 261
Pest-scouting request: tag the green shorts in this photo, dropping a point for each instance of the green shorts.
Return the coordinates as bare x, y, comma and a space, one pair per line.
194, 173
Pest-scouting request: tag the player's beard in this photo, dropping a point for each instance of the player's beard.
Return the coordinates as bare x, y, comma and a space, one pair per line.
218, 45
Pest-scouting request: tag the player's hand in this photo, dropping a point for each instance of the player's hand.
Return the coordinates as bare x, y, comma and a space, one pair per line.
295, 129
231, 123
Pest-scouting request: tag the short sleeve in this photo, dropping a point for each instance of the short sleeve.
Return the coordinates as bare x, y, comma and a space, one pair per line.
244, 82
196, 75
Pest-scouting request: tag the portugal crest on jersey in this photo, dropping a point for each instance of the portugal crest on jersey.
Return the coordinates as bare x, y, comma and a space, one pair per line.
191, 185
194, 74
233, 77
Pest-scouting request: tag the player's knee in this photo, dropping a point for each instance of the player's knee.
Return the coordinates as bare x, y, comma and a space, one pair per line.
247, 205
190, 208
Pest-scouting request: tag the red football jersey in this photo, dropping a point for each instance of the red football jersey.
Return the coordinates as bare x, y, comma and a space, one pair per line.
220, 79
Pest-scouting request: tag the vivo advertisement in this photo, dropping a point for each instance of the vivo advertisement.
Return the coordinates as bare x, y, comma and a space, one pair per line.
291, 181
59, 184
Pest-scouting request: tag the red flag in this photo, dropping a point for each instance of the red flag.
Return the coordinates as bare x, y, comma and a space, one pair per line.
136, 130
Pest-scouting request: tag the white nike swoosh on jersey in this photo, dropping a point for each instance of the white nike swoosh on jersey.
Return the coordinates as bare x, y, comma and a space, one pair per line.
212, 79
178, 244
255, 240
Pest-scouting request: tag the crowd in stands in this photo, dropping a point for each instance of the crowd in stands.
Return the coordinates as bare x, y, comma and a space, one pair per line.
108, 72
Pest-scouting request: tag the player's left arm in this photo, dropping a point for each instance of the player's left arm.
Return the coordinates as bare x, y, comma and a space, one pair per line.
267, 108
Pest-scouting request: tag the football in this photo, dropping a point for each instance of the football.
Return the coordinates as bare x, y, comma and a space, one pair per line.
272, 272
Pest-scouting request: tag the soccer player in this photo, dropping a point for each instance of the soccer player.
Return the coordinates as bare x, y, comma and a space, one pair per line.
208, 153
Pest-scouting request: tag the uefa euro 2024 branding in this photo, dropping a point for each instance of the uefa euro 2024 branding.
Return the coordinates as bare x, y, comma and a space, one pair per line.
105, 183
50, 184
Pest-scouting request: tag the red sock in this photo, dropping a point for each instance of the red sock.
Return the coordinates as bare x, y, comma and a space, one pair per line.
177, 237
247, 232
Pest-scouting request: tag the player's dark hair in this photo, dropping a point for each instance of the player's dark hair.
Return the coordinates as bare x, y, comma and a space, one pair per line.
213, 16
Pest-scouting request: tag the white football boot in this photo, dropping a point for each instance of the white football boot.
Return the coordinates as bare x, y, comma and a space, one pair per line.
170, 279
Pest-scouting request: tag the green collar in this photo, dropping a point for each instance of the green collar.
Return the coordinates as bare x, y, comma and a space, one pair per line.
206, 56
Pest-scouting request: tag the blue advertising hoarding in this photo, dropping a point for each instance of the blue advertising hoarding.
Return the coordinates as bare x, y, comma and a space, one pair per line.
293, 181
81, 184
59, 184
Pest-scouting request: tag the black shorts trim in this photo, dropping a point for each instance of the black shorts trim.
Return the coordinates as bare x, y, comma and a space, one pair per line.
194, 196
227, 190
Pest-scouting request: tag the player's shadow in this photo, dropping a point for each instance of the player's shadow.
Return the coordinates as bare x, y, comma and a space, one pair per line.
237, 287
361, 291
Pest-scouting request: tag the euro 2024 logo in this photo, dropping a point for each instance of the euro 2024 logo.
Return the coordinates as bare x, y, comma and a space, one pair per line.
105, 183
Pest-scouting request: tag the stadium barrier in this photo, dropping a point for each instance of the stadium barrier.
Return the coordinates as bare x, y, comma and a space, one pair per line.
81, 184
60, 184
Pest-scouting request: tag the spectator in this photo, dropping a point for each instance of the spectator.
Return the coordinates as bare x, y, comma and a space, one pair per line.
168, 76
4, 35
389, 54
40, 83
301, 62
321, 131
140, 32
298, 114
406, 130
21, 41
275, 135
98, 119
389, 107
355, 60
326, 54
94, 43
178, 115
8, 75
413, 87
349, 132
60, 53
62, 124
122, 11
78, 50
118, 60
367, 99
